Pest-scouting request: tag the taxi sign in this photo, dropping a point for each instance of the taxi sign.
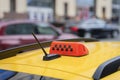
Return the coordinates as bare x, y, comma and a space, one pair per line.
68, 48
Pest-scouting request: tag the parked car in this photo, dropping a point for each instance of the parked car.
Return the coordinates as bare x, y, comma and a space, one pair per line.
96, 28
70, 27
101, 63
16, 33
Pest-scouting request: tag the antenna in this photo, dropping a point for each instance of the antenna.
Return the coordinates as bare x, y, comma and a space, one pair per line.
39, 44
47, 56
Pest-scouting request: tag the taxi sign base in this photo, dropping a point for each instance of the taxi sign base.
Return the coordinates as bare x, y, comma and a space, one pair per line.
50, 57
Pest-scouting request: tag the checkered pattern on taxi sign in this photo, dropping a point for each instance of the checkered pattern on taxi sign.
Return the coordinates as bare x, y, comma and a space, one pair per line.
68, 48
62, 47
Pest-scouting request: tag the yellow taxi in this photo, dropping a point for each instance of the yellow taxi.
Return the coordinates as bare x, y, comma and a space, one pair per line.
101, 61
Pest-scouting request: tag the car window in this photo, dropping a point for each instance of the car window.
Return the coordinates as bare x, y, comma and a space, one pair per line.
11, 75
93, 23
23, 28
46, 29
100, 22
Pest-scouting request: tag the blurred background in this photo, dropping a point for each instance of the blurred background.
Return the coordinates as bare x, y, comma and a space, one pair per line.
98, 19
56, 19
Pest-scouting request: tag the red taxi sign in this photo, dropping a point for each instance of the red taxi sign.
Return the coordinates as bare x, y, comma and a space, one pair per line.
68, 48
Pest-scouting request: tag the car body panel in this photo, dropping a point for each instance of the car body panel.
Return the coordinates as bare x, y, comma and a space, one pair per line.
65, 67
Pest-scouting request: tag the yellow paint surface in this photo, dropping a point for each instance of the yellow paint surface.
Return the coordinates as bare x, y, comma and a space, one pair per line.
65, 67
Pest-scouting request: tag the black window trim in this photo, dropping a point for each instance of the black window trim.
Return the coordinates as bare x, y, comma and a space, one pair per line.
100, 71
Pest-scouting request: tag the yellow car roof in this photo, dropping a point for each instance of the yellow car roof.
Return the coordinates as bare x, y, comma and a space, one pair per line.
65, 67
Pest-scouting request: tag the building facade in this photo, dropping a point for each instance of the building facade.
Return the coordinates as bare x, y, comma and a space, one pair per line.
59, 10
116, 11
108, 9
65, 9
42, 14
104, 9
13, 9
41, 10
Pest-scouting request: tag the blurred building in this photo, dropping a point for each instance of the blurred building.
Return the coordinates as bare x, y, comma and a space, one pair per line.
41, 10
85, 9
13, 9
42, 14
65, 9
47, 10
108, 9
104, 9
116, 11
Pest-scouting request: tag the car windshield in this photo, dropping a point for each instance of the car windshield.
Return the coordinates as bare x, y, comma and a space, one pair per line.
92, 23
28, 28
11, 75
21, 28
44, 28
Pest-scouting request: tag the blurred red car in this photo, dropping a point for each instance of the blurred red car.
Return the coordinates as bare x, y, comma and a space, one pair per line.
16, 33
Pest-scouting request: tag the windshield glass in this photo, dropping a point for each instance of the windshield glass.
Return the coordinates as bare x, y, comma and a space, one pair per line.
92, 23
11, 75
20, 29
46, 29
